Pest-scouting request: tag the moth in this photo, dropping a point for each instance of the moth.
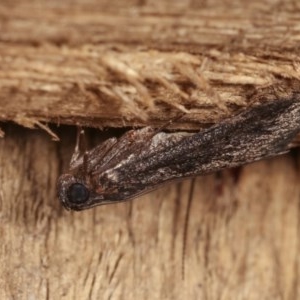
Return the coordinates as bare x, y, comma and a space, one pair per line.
141, 160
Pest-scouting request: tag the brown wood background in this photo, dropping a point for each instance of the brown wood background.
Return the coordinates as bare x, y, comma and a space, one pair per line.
126, 63
243, 234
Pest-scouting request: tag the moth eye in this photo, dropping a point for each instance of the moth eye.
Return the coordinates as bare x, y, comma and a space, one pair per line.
78, 193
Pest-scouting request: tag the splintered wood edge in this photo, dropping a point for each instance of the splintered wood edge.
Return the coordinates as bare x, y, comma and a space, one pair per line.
181, 88
219, 67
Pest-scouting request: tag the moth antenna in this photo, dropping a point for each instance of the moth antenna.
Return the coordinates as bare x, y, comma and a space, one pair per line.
185, 228
159, 129
167, 124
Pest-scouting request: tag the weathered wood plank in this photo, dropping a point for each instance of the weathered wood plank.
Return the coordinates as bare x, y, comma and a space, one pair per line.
141, 63
132, 63
243, 233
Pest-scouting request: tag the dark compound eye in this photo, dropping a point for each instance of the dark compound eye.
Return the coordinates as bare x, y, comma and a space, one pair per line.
78, 193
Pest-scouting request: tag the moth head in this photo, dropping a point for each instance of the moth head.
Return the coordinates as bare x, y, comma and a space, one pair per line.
75, 193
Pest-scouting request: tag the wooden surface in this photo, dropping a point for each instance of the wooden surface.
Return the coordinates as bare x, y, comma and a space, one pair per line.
129, 63
125, 63
243, 232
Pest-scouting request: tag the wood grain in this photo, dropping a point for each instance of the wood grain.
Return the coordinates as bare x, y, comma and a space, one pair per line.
134, 63
243, 232
143, 62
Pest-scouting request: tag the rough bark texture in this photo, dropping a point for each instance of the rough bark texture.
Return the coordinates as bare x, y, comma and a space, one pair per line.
126, 63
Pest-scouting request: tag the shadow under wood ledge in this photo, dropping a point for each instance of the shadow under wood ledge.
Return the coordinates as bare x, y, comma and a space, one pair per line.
243, 231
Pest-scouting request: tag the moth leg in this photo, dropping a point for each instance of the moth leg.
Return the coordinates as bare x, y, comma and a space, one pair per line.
85, 166
80, 147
